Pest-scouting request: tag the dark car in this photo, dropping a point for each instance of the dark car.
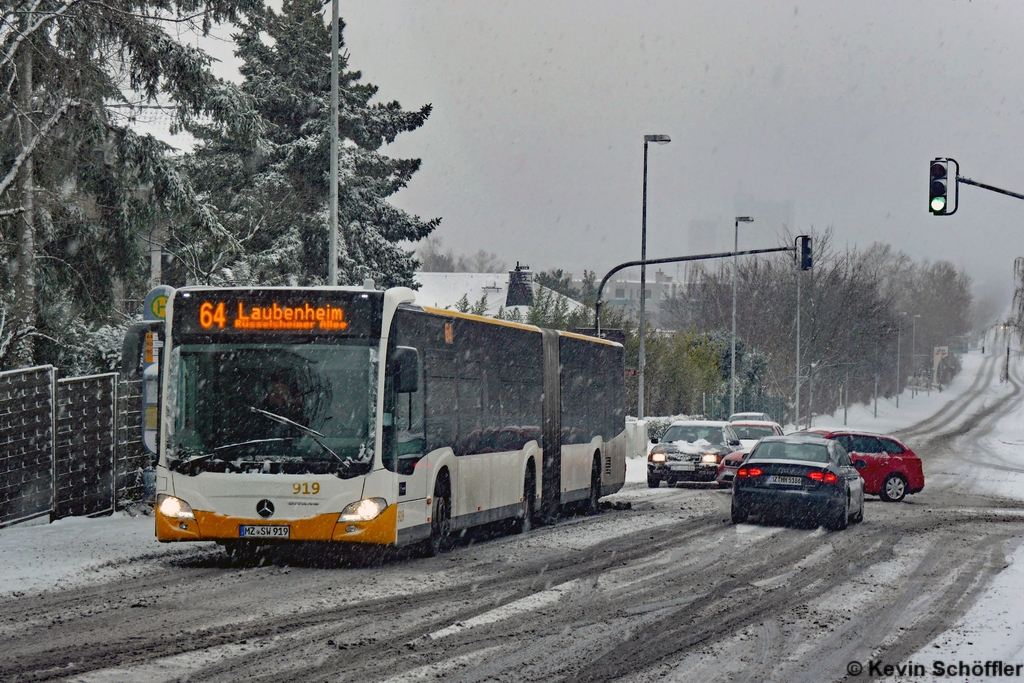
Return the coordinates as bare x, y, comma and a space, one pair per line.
690, 450
748, 431
891, 469
804, 478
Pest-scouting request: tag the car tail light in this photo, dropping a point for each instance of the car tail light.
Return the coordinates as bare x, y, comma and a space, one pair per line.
826, 477
745, 472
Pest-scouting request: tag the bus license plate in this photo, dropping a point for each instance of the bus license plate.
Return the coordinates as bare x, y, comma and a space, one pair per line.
683, 467
264, 531
774, 479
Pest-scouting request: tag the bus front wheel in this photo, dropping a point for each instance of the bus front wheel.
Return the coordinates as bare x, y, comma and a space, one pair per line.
440, 518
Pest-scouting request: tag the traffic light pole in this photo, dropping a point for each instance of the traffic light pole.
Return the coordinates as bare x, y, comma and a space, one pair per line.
968, 181
672, 259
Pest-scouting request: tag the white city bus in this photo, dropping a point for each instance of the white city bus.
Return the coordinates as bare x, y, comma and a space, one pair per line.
353, 415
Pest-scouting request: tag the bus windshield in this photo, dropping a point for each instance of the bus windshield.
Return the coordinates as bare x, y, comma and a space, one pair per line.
272, 408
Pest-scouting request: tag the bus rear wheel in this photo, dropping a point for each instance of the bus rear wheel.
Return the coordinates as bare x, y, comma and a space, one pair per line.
593, 506
525, 523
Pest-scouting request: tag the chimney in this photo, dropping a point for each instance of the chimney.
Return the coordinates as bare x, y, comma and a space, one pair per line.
520, 286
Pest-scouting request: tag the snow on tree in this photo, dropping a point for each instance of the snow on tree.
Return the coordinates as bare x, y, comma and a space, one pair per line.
272, 192
77, 185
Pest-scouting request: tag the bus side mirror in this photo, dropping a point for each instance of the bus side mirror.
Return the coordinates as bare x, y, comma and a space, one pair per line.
406, 365
131, 349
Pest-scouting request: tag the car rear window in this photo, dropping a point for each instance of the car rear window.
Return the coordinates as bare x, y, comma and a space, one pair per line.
777, 450
752, 432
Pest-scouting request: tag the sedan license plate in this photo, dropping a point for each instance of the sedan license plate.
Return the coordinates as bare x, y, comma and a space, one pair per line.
683, 467
264, 531
776, 479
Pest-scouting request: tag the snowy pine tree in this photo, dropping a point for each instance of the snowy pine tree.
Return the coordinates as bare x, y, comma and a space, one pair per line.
272, 192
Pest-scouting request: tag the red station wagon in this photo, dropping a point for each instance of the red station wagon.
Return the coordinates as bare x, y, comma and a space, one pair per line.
892, 470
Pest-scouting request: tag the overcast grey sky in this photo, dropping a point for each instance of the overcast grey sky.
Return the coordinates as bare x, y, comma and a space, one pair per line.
828, 111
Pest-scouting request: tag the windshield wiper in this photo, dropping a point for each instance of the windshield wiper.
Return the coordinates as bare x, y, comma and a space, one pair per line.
281, 419
244, 443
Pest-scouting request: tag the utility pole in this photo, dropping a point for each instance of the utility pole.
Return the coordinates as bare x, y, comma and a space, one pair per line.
846, 395
661, 140
810, 394
913, 354
876, 394
899, 331
735, 277
797, 419
332, 264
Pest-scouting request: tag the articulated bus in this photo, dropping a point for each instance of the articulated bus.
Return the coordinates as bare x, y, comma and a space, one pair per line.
354, 415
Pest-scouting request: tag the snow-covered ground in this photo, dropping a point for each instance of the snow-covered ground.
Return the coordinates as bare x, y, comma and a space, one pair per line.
913, 408
76, 550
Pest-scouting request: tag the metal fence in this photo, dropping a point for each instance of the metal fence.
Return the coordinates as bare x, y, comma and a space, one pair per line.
26, 443
68, 446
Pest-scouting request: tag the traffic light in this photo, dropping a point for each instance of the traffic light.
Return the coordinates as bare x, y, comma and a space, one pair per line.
803, 252
939, 187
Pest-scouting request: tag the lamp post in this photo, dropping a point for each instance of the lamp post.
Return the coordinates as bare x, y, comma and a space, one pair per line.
913, 354
1006, 333
661, 140
899, 331
735, 277
332, 264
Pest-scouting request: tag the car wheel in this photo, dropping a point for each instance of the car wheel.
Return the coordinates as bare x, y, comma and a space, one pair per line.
525, 523
843, 518
739, 515
894, 488
653, 482
724, 485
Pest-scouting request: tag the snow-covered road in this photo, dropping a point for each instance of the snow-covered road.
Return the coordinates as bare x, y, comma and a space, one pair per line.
668, 590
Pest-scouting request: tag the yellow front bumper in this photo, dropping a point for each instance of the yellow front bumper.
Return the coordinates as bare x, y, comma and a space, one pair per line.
211, 526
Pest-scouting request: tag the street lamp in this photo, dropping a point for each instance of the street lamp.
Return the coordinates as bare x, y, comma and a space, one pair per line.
661, 140
913, 354
735, 277
899, 331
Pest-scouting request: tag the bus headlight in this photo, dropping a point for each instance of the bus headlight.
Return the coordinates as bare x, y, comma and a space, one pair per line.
363, 510
174, 508
710, 457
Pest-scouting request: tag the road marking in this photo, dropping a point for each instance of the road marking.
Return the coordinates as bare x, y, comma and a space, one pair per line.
527, 604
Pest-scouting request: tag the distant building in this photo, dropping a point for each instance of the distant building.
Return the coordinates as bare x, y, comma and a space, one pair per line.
625, 295
486, 291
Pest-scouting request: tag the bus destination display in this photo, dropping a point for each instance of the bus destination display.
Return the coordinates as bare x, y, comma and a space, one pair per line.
241, 312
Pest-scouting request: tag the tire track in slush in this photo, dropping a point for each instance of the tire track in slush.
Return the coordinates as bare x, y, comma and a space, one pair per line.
955, 407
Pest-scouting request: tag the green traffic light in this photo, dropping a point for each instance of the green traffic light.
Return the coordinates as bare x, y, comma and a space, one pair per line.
938, 204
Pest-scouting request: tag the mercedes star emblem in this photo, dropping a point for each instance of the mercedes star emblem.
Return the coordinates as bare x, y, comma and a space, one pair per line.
265, 508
